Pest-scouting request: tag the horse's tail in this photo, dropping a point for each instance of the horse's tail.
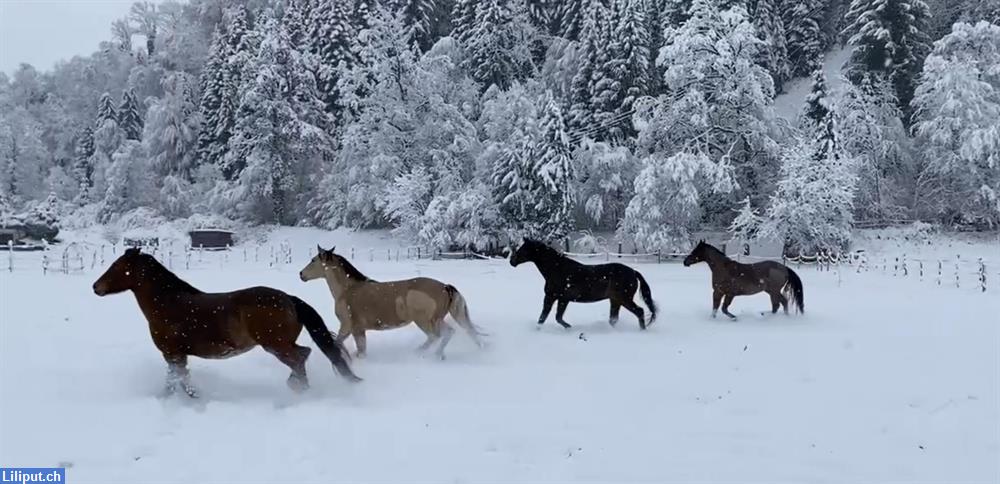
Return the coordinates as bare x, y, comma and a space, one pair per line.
647, 297
793, 290
459, 311
326, 340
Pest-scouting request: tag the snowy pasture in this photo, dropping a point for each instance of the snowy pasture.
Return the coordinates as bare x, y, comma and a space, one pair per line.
883, 379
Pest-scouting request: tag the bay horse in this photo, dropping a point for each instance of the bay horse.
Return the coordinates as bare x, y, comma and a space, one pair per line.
362, 304
731, 279
567, 280
184, 321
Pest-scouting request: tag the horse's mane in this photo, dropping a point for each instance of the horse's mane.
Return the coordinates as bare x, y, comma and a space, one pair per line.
164, 277
544, 248
352, 272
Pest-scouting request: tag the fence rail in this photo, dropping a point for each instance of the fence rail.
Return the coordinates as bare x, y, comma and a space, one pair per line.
78, 257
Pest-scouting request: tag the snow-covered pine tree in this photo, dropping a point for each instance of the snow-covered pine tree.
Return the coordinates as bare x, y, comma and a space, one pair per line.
771, 29
463, 19
890, 39
629, 66
330, 36
717, 102
958, 122
500, 44
419, 17
571, 15
674, 14
606, 174
233, 48
592, 57
818, 120
280, 133
805, 42
553, 191
812, 209
83, 170
106, 110
129, 119
170, 135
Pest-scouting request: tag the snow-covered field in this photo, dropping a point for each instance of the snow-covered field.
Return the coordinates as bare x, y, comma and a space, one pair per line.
883, 379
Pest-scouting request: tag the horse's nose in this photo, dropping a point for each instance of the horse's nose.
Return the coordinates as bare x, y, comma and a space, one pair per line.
302, 276
97, 290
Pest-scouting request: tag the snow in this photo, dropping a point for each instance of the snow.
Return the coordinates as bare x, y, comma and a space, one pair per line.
790, 104
883, 379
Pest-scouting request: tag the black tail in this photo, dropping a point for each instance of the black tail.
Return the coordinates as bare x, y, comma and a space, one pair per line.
647, 297
326, 340
796, 288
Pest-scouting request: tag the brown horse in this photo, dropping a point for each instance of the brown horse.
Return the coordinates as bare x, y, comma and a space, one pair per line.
363, 304
731, 279
184, 321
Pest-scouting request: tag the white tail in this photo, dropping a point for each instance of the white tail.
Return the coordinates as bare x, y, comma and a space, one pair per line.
460, 312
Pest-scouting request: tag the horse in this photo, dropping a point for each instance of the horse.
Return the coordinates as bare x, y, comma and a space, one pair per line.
363, 304
731, 279
185, 321
567, 280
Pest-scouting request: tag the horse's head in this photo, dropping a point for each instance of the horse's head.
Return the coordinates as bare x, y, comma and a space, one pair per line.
316, 268
697, 254
123, 275
527, 252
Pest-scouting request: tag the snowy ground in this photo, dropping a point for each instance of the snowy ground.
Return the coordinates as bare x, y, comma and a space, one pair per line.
883, 379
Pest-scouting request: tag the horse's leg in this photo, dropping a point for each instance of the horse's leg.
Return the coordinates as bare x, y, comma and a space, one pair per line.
725, 306
784, 301
775, 302
716, 300
430, 331
359, 340
546, 308
560, 310
295, 358
637, 311
615, 307
446, 331
178, 376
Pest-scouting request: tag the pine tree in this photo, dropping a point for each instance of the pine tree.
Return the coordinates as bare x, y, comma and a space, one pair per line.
571, 15
818, 117
83, 170
771, 29
330, 37
106, 110
128, 116
958, 124
280, 133
593, 59
553, 190
463, 19
805, 43
890, 42
233, 47
631, 47
812, 208
499, 45
419, 16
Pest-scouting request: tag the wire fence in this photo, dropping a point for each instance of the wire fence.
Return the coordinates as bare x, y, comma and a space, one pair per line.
77, 257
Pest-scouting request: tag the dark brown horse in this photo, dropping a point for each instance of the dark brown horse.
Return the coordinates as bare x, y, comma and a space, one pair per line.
731, 279
184, 321
567, 280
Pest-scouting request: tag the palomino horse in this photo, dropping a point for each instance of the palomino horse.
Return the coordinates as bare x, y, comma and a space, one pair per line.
567, 280
731, 279
363, 304
184, 321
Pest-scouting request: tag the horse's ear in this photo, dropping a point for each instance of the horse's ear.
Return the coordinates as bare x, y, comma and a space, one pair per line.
319, 250
333, 248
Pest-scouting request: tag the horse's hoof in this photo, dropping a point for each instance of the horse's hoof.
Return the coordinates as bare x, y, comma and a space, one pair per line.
298, 385
191, 392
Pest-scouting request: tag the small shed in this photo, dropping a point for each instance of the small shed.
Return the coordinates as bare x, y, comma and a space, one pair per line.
10, 235
211, 239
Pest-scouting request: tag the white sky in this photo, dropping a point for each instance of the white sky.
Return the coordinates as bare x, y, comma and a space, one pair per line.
41, 32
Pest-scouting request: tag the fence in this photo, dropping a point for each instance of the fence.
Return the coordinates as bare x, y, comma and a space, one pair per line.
78, 257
